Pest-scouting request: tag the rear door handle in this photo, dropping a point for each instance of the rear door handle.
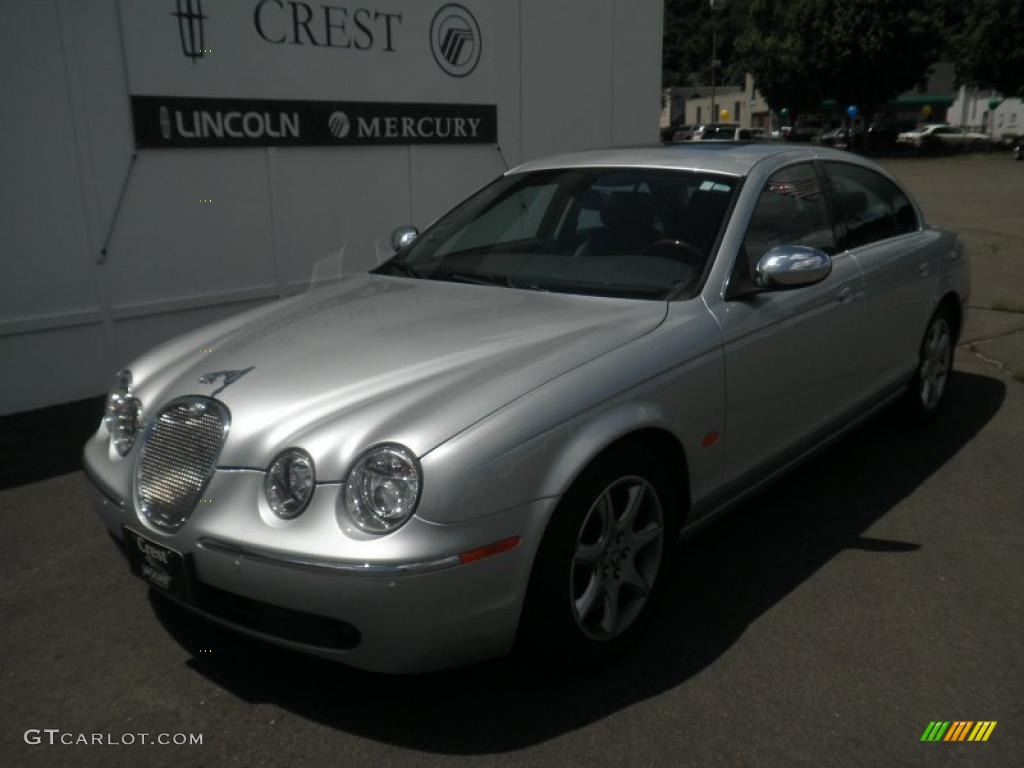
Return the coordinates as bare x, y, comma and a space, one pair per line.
845, 295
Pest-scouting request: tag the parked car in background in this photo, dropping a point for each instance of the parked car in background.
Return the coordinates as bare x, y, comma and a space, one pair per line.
683, 133
828, 137
942, 137
677, 131
497, 436
843, 137
881, 135
801, 132
723, 132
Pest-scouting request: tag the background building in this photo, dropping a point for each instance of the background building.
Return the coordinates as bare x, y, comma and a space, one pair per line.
971, 110
746, 106
229, 203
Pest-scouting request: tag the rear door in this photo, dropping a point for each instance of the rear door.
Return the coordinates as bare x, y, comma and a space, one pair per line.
878, 226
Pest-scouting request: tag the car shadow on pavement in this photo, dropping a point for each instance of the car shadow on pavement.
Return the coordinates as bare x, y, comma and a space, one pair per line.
723, 579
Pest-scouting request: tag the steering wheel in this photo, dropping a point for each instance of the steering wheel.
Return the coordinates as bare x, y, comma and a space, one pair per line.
677, 250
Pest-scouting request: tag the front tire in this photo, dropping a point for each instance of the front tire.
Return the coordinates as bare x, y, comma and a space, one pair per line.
602, 561
927, 390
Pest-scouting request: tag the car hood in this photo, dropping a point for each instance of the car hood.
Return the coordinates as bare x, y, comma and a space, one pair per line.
378, 358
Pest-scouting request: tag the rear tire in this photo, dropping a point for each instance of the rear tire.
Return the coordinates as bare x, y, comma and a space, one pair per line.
927, 391
602, 562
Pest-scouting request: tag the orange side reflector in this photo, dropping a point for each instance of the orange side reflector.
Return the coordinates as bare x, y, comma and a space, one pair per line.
491, 549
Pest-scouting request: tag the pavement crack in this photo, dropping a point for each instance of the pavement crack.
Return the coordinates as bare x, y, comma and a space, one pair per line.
998, 308
994, 361
972, 342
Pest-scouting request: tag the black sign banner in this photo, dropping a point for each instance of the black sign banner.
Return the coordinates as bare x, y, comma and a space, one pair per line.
176, 122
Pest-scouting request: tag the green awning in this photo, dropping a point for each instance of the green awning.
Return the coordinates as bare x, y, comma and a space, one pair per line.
915, 103
902, 104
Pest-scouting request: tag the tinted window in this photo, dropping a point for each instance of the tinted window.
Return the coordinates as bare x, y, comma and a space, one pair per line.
790, 211
515, 218
640, 233
870, 207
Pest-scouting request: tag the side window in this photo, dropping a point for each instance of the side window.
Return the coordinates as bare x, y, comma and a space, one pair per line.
871, 207
790, 211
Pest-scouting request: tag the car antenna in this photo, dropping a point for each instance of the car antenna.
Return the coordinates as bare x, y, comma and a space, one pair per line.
502, 156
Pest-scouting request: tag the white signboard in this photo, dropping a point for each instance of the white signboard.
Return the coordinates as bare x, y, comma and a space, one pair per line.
412, 50
299, 72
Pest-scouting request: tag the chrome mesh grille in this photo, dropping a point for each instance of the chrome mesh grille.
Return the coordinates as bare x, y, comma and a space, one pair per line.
179, 452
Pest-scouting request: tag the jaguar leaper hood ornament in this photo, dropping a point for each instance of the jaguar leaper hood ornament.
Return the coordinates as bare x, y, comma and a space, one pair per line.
228, 377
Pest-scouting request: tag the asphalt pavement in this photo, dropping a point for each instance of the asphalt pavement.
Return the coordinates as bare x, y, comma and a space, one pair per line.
825, 623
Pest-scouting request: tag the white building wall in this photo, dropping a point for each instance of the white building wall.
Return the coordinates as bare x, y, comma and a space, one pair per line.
970, 110
566, 75
750, 102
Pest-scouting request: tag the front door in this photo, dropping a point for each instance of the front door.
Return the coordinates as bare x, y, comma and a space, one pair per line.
791, 356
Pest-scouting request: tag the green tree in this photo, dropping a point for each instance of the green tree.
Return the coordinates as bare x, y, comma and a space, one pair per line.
863, 53
686, 41
989, 45
776, 53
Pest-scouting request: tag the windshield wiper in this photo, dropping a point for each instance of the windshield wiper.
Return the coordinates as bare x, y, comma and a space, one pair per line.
402, 268
506, 281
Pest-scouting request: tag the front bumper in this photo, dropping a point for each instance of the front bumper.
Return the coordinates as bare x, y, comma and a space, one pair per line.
415, 609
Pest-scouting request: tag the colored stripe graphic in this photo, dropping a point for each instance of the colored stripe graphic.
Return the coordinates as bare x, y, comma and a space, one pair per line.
982, 730
958, 730
935, 730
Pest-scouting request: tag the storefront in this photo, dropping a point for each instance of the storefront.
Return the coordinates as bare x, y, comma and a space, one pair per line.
170, 162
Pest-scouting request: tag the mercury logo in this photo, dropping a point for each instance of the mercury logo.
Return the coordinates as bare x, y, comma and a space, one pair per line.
339, 125
455, 40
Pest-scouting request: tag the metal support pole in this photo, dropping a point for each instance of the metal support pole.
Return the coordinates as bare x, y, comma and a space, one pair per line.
714, 48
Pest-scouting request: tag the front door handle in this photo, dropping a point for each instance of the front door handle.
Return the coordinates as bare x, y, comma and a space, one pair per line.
845, 295
924, 268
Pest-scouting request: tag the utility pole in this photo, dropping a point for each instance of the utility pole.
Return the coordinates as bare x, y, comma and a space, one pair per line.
714, 45
715, 5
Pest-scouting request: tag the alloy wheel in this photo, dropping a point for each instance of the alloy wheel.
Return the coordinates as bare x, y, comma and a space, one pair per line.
935, 363
617, 557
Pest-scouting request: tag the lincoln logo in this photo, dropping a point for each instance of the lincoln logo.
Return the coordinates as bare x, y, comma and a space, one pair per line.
165, 123
455, 40
190, 28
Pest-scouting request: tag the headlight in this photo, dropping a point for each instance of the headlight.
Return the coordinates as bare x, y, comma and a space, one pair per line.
383, 488
122, 413
118, 394
125, 425
289, 483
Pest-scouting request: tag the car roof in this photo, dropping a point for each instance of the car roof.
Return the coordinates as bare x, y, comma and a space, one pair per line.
730, 158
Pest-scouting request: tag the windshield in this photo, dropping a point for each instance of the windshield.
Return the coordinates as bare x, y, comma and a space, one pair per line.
635, 233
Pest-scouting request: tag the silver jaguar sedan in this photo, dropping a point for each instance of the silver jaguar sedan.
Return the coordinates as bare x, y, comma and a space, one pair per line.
496, 437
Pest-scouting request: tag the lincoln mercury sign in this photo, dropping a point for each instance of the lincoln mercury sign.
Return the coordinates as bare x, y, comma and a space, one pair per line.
185, 122
219, 73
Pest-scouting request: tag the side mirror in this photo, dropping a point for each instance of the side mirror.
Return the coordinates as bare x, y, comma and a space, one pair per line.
403, 237
792, 266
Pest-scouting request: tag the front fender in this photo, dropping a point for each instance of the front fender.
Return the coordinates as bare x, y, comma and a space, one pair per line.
671, 379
